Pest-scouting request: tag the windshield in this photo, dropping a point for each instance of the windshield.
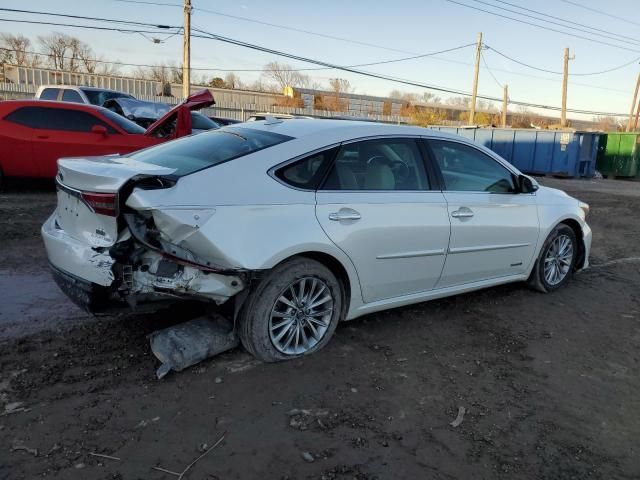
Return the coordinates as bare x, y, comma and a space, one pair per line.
190, 154
98, 97
124, 123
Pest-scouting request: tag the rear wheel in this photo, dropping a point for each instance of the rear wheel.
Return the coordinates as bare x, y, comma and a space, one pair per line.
557, 259
292, 312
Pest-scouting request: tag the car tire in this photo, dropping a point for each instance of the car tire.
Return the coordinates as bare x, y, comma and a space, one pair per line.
276, 308
553, 269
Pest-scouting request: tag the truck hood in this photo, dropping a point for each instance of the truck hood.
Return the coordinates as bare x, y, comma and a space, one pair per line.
104, 174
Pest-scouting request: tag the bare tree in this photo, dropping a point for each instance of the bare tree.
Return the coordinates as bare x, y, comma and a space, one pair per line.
217, 82
232, 80
61, 50
16, 49
165, 73
284, 75
340, 85
334, 102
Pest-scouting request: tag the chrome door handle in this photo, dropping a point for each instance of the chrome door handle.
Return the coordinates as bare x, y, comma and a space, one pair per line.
462, 213
337, 216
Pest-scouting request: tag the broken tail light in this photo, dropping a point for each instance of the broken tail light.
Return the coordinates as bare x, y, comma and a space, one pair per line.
102, 203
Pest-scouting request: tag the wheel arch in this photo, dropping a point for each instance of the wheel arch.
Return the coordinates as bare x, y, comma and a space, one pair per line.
337, 268
577, 230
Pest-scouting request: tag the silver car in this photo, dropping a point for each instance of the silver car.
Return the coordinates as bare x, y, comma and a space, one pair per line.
304, 223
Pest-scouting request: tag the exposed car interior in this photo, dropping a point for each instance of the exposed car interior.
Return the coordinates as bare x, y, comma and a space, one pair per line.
378, 165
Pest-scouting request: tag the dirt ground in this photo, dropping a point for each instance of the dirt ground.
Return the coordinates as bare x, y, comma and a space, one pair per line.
550, 383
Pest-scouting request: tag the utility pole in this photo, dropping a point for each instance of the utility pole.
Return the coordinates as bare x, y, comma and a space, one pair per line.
635, 123
186, 51
565, 81
633, 105
472, 111
505, 101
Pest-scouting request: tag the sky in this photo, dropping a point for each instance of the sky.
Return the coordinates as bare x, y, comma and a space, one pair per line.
398, 28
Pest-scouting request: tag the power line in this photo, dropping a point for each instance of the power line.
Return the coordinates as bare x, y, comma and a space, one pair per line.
619, 67
601, 12
484, 61
285, 27
633, 42
207, 35
274, 25
80, 17
383, 62
637, 40
159, 4
543, 27
86, 27
204, 34
260, 70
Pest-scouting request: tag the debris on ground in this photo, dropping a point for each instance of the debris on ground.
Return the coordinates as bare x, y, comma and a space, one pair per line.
180, 475
32, 451
303, 419
188, 343
101, 455
459, 418
14, 407
308, 457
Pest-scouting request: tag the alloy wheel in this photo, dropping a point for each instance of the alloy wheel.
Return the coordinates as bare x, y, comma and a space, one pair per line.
301, 316
558, 259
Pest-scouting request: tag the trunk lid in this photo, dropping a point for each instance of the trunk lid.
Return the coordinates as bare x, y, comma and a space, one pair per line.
88, 191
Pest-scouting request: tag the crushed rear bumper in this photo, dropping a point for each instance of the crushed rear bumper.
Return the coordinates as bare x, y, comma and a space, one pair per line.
88, 296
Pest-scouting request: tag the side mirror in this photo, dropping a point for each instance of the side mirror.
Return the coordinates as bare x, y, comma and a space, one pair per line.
100, 130
526, 185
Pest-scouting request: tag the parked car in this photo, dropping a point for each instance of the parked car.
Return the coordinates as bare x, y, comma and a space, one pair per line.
302, 224
145, 113
282, 116
34, 134
77, 94
224, 121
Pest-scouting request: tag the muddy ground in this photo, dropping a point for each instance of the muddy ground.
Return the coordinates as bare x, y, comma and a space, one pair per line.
550, 383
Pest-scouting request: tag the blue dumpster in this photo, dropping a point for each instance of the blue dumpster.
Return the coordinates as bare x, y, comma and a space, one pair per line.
542, 152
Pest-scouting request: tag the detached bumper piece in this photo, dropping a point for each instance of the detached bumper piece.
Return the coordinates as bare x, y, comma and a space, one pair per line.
188, 343
88, 296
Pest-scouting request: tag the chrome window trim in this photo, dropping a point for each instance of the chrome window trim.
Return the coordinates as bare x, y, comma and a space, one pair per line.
272, 171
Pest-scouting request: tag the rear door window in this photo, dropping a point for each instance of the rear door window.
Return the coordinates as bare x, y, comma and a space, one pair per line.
49, 94
191, 154
382, 164
71, 96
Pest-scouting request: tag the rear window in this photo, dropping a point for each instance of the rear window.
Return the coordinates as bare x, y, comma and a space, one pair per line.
49, 94
98, 97
71, 96
193, 153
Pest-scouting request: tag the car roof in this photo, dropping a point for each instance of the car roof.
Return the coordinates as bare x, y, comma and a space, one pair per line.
300, 128
48, 103
81, 87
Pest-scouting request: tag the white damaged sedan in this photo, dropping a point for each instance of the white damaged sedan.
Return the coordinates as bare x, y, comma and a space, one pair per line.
303, 223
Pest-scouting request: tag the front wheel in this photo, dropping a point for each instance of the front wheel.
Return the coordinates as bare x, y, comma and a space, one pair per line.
292, 312
557, 259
